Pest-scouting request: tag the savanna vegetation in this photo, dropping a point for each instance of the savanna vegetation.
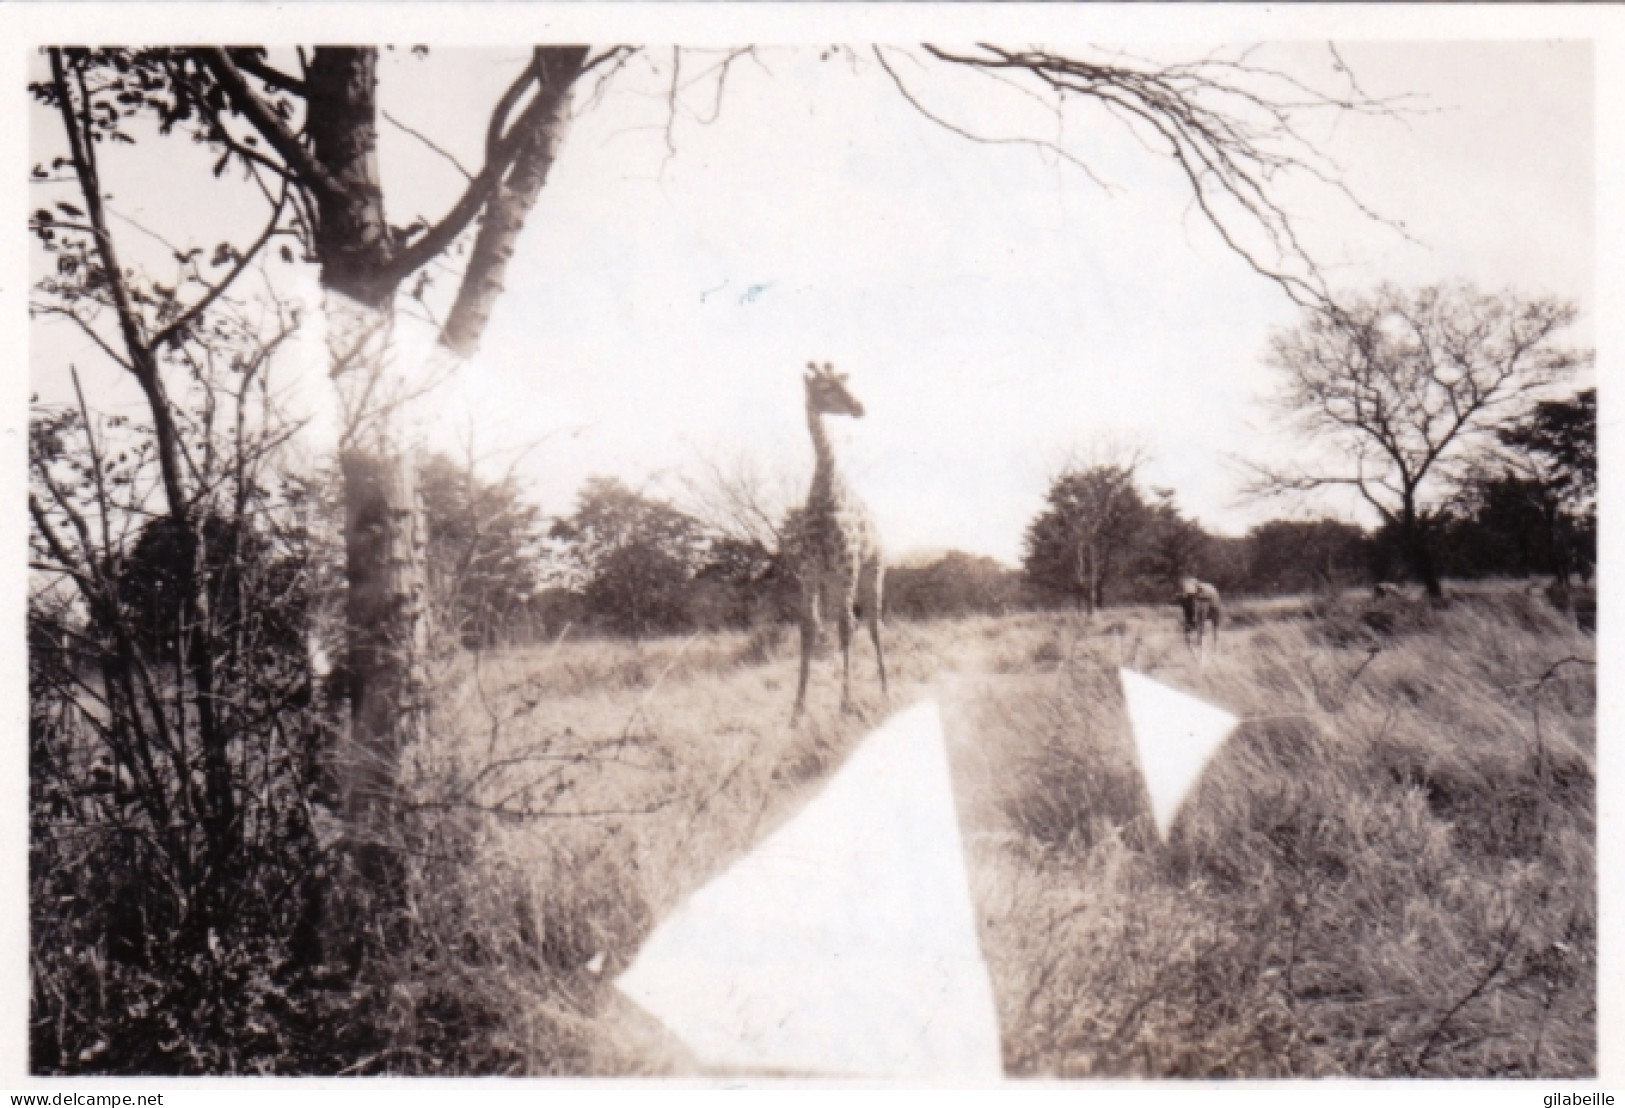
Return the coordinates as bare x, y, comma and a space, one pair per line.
1388, 870
373, 766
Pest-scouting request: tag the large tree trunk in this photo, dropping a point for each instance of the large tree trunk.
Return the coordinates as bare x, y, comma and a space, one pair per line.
385, 529
387, 615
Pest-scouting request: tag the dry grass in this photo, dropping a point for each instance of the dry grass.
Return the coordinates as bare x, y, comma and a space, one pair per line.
1389, 870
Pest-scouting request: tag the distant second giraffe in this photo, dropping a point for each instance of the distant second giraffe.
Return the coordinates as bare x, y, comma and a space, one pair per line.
1202, 609
834, 545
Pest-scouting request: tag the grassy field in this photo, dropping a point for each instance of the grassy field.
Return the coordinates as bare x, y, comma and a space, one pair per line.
1388, 870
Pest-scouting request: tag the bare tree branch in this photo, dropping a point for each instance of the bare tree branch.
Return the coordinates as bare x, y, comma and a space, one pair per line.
741, 499
431, 144
141, 362
985, 140
1233, 128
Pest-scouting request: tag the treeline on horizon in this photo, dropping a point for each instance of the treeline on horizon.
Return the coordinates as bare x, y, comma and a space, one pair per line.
630, 564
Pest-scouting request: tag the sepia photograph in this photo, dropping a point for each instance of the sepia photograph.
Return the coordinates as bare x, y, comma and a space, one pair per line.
1059, 547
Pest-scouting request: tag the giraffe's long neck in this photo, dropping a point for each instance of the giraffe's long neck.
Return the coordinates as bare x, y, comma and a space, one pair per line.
823, 451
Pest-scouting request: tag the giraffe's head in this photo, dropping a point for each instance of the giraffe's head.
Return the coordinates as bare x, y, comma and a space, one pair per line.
827, 392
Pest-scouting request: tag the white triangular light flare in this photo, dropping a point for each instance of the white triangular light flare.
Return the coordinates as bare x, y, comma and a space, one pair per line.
845, 943
1175, 735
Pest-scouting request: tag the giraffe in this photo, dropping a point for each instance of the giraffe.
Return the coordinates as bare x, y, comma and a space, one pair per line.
834, 545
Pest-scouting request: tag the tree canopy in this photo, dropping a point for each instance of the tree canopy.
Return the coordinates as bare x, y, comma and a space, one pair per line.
633, 555
484, 550
1088, 532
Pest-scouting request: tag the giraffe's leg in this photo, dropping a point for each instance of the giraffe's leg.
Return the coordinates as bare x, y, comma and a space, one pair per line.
847, 621
809, 643
874, 581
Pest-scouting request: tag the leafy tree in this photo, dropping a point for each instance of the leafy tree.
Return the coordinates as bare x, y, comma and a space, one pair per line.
1560, 437
1170, 547
742, 584
1551, 457
1501, 526
634, 556
1507, 524
1088, 533
222, 551
1224, 563
484, 550
1402, 390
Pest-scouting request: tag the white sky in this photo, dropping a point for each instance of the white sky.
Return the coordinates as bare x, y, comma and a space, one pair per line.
992, 308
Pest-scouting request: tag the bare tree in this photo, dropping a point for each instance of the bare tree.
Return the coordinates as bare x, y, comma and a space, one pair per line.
1397, 392
742, 498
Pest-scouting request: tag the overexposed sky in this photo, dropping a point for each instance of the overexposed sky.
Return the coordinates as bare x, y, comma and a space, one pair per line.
994, 308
